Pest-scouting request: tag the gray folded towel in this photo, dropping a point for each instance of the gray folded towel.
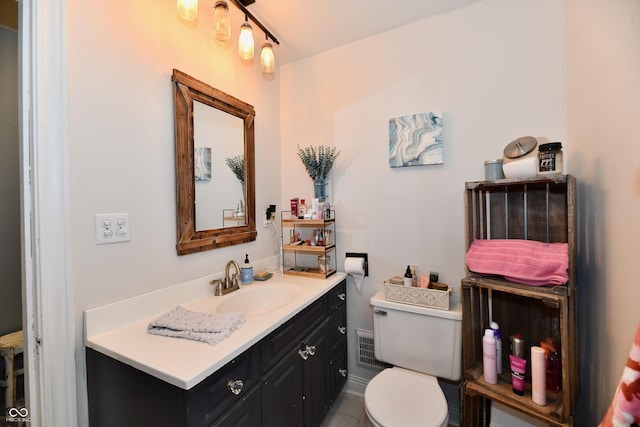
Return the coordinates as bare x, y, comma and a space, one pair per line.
207, 327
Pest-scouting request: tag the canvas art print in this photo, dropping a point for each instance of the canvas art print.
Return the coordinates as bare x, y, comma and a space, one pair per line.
202, 163
416, 140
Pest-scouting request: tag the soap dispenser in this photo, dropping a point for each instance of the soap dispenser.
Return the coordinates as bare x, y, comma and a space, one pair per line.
246, 270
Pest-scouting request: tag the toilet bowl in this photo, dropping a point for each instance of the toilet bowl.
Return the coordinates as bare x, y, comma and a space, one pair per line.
398, 397
423, 344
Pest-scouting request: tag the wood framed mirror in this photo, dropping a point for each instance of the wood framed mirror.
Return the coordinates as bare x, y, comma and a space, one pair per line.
215, 167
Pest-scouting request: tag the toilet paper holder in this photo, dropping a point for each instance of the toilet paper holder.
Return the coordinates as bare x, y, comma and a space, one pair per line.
360, 255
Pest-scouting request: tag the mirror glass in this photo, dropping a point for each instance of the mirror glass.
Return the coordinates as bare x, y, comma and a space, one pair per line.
215, 188
218, 142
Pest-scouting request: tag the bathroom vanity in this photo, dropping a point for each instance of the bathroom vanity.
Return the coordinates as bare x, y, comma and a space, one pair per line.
285, 366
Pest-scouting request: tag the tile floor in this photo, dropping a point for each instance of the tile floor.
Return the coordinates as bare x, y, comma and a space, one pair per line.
348, 411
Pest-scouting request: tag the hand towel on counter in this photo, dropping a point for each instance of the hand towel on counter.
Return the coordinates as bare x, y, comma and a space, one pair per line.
207, 327
527, 262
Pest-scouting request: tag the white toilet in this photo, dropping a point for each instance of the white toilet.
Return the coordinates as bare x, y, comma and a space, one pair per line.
422, 343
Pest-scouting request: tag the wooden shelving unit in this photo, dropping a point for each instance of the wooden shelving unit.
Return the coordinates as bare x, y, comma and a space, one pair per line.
301, 258
542, 209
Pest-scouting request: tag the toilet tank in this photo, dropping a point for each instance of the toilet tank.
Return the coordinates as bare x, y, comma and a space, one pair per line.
422, 339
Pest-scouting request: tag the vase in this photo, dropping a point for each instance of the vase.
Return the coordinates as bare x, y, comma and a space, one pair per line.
320, 188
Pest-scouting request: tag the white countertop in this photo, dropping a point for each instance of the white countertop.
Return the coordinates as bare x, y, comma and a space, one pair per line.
119, 329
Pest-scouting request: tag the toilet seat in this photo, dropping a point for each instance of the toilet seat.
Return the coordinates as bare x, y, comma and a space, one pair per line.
398, 397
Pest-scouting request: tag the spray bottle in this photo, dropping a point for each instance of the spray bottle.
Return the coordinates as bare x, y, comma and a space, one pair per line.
498, 335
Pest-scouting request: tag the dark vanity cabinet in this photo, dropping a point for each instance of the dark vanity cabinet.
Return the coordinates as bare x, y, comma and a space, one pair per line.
305, 363
289, 378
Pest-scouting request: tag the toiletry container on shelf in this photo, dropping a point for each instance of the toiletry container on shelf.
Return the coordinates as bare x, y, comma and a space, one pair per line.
423, 344
541, 209
308, 245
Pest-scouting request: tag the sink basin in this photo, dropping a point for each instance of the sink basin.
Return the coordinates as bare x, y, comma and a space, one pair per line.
254, 301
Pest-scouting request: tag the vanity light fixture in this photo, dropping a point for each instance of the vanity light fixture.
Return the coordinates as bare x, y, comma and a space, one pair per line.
188, 9
222, 21
267, 56
245, 42
267, 59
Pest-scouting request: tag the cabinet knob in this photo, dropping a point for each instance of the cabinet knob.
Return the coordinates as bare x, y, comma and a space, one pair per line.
304, 354
309, 350
235, 386
343, 372
342, 296
342, 329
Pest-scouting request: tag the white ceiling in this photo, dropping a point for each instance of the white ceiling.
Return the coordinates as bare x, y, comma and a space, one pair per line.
308, 27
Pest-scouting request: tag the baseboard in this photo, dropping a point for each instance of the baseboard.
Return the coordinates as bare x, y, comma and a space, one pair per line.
355, 385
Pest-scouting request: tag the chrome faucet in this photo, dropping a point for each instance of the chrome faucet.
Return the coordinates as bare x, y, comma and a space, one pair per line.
227, 284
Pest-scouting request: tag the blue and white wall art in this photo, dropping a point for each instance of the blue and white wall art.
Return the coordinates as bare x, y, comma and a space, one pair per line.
416, 140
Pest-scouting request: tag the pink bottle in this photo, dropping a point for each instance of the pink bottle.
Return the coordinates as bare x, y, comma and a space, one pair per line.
489, 364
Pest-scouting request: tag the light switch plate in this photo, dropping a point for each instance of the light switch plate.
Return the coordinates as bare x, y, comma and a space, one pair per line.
112, 228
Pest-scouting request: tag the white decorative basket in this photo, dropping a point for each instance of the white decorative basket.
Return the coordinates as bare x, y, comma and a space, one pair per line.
418, 296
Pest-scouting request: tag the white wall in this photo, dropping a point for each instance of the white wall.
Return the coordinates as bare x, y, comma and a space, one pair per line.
603, 106
121, 57
496, 68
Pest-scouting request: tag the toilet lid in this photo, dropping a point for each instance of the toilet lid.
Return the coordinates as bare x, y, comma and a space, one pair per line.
397, 397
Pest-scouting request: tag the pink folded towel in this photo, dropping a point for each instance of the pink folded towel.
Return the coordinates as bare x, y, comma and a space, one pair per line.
521, 261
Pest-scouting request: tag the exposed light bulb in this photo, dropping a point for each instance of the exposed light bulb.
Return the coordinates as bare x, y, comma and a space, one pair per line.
267, 58
188, 9
245, 42
222, 21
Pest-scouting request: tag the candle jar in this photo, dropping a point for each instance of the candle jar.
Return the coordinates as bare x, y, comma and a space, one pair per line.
550, 158
327, 237
324, 262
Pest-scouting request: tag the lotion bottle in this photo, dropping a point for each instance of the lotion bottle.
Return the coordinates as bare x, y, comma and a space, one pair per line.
246, 271
489, 357
553, 366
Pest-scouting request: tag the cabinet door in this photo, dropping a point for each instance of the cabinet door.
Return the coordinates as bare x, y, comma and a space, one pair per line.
122, 396
315, 378
246, 413
287, 337
338, 328
337, 296
207, 401
337, 373
282, 393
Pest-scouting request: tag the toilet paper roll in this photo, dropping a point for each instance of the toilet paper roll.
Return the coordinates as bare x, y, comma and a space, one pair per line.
355, 268
538, 376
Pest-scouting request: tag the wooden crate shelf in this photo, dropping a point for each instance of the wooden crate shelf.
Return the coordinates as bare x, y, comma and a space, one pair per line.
541, 209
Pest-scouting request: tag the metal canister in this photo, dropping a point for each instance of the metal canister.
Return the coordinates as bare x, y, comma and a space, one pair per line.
517, 346
493, 170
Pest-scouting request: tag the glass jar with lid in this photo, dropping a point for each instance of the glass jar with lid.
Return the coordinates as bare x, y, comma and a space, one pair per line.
324, 263
550, 158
